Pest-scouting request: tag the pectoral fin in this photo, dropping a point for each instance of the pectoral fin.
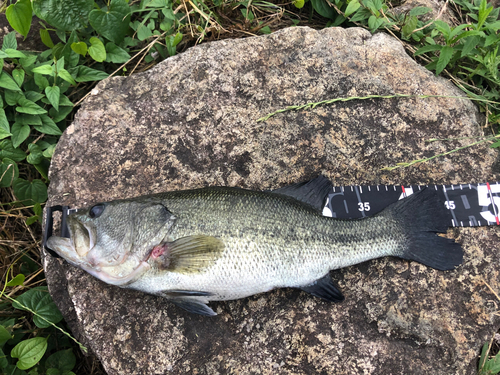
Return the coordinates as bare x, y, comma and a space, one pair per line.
193, 305
190, 254
324, 288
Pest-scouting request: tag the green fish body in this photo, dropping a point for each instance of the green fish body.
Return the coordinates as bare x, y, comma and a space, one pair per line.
220, 243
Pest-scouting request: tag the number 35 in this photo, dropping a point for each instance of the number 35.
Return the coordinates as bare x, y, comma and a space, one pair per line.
364, 206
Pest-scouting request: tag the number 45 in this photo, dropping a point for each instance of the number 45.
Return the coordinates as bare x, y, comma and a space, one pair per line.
450, 205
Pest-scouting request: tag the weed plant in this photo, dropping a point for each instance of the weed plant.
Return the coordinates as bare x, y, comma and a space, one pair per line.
39, 92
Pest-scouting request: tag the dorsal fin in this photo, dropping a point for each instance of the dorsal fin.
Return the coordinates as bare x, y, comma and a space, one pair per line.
313, 192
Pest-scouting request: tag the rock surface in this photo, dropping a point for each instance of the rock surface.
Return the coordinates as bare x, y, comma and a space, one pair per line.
191, 122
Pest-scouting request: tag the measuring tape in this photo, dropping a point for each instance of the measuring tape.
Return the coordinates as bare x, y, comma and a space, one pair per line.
468, 205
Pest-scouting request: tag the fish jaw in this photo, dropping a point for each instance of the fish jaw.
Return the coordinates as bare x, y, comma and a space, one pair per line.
64, 248
110, 275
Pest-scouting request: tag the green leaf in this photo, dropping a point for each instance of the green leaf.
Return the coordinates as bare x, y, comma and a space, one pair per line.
374, 23
112, 24
9, 41
28, 61
157, 3
4, 334
33, 96
64, 74
143, 32
79, 47
49, 151
19, 133
53, 93
322, 8
14, 54
492, 26
44, 69
3, 360
43, 168
177, 39
8, 172
4, 125
61, 114
24, 119
7, 82
4, 133
29, 352
19, 16
97, 50
419, 11
470, 43
352, 7
71, 57
18, 75
35, 156
60, 64
444, 58
8, 151
37, 208
299, 4
484, 356
116, 54
46, 39
38, 299
65, 15
361, 15
12, 97
63, 360
484, 10
17, 280
490, 39
64, 101
85, 74
29, 107
49, 126
429, 48
410, 25
169, 14
41, 81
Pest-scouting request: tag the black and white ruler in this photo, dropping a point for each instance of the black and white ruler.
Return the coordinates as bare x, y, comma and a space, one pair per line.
469, 205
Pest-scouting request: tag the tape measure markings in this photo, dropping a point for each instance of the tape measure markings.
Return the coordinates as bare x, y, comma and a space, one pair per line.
493, 203
467, 204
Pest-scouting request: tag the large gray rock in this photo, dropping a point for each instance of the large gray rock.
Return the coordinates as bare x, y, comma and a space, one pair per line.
191, 122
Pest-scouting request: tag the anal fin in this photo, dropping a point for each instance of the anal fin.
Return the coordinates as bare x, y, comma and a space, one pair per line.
193, 305
194, 301
324, 288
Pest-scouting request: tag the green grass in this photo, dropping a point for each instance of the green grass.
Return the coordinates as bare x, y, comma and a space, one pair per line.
40, 91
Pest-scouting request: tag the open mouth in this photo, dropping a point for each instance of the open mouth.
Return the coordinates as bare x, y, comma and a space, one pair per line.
83, 238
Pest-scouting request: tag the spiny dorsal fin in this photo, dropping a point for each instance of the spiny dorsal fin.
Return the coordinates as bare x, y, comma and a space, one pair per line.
313, 192
190, 254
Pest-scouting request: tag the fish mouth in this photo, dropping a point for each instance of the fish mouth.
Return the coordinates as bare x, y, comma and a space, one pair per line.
83, 237
77, 250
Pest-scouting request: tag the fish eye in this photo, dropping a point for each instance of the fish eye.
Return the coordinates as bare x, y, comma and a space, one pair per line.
96, 210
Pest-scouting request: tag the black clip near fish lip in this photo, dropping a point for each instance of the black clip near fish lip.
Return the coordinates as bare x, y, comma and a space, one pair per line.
49, 223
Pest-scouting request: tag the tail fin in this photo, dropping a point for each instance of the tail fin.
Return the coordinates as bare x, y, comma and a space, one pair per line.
422, 215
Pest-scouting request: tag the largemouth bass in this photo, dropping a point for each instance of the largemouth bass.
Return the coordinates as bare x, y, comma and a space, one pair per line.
221, 243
